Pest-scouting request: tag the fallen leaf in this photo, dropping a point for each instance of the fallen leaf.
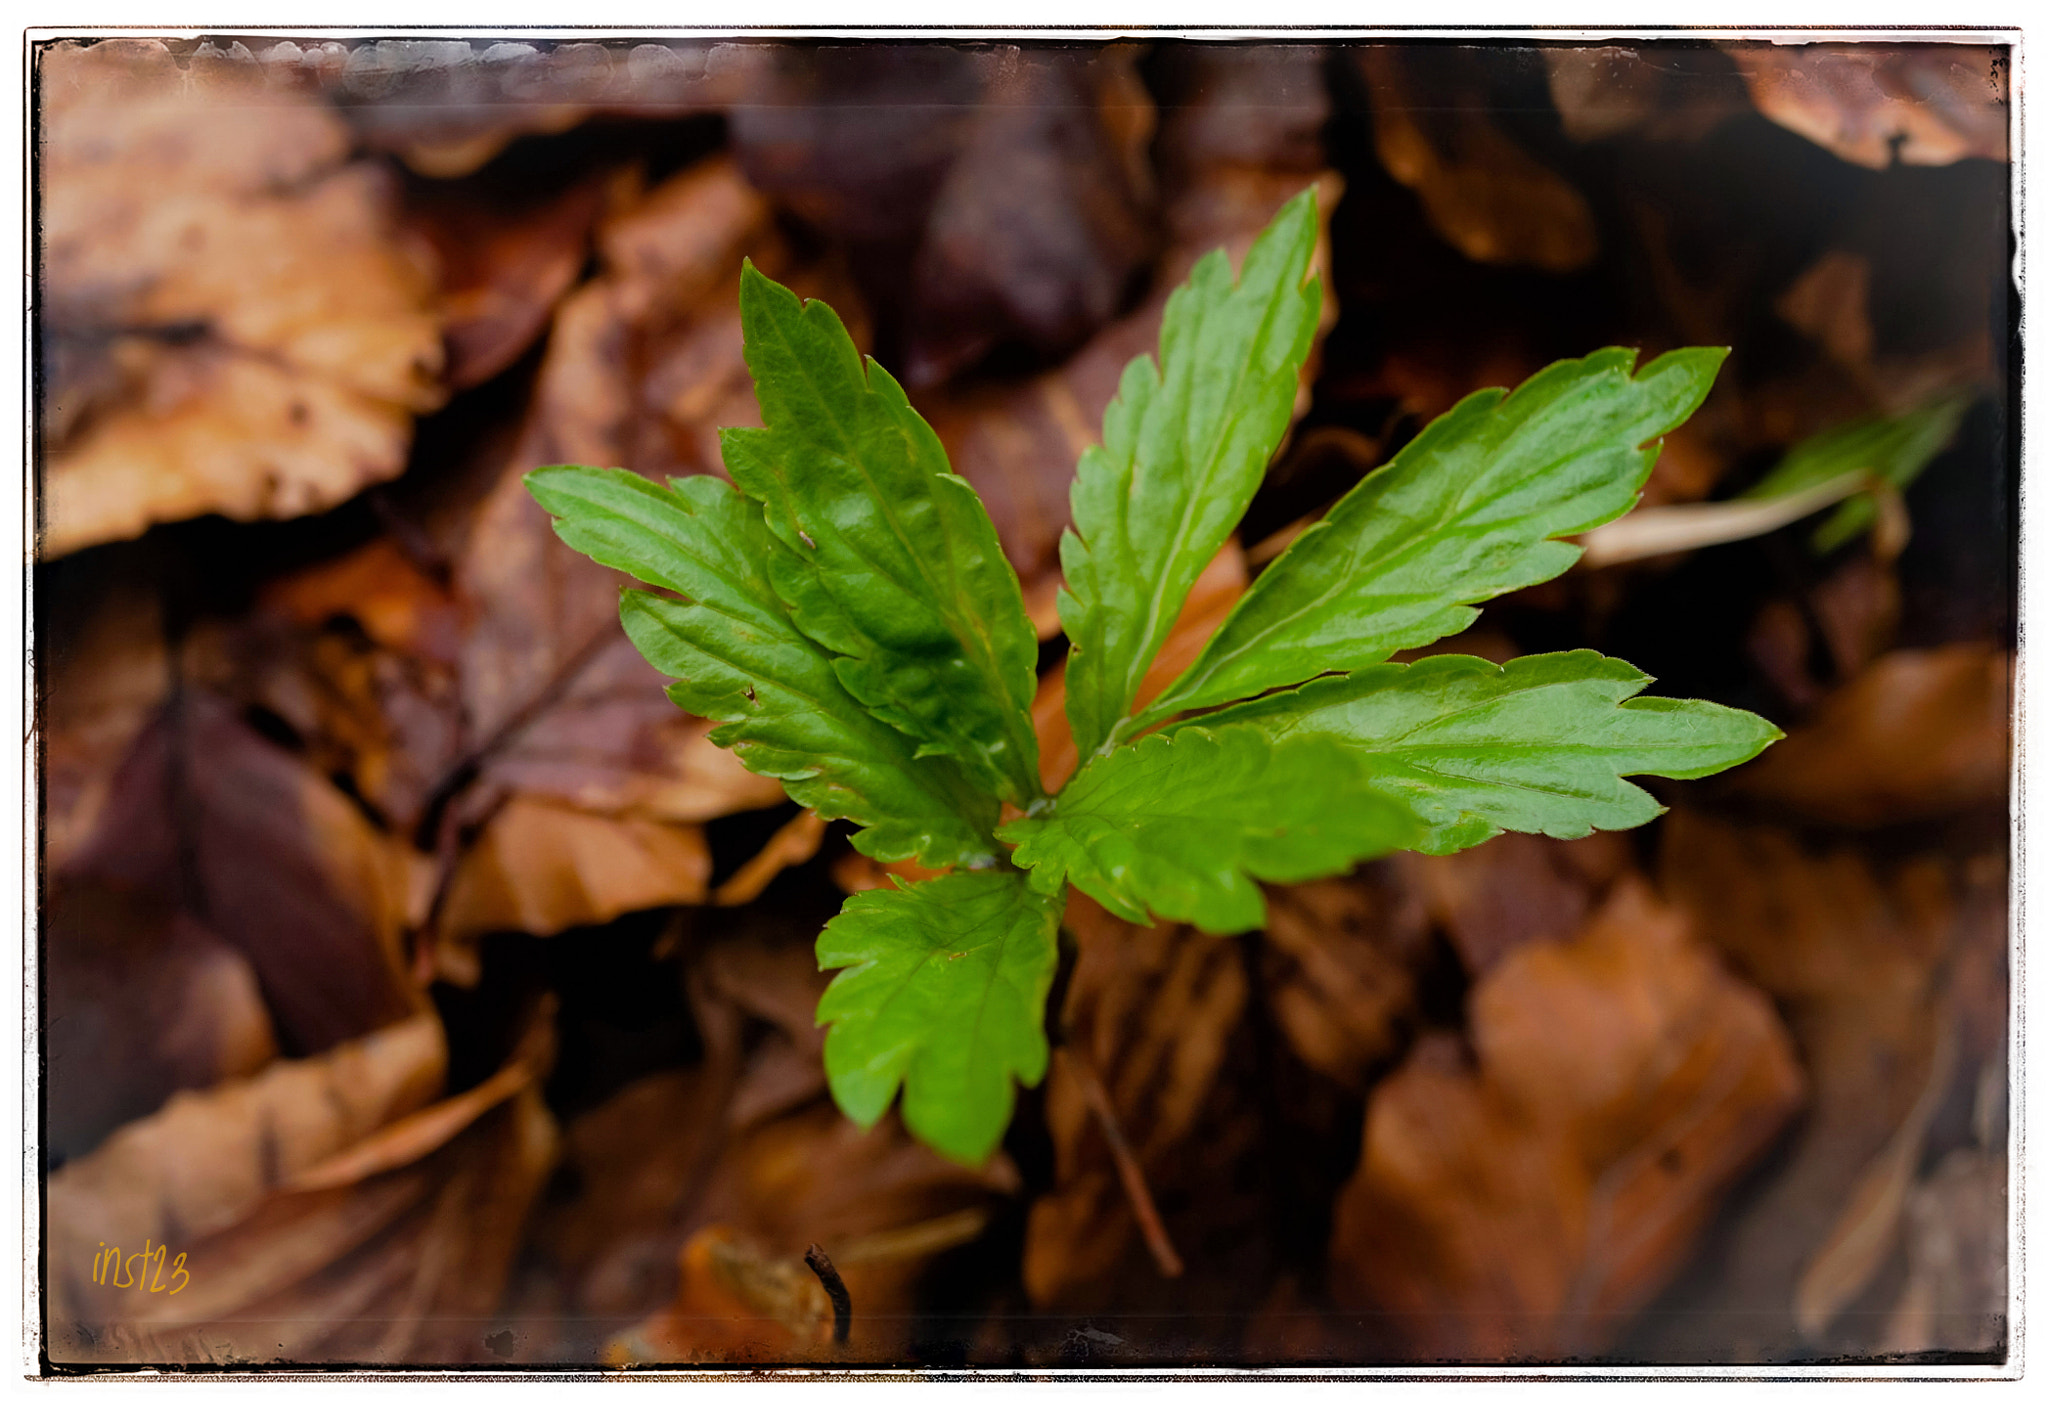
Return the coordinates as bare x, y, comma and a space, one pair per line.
209, 817
1657, 92
1919, 733
139, 1002
1340, 958
1525, 1204
1876, 105
985, 195
238, 328
541, 868
506, 259
100, 685
1515, 889
1487, 196
1856, 957
794, 843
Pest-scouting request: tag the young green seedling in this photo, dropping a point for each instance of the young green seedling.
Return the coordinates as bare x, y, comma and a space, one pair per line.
848, 618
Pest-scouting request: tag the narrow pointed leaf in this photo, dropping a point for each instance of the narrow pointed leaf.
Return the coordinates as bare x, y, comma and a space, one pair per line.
892, 562
943, 994
1539, 745
1467, 510
740, 662
1184, 447
1896, 449
1181, 826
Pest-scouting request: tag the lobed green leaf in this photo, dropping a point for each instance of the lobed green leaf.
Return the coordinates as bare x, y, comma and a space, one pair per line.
739, 661
891, 561
943, 994
1184, 447
1179, 827
1537, 745
1467, 510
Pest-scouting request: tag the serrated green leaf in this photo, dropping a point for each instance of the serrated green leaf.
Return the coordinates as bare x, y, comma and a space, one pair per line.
892, 562
1467, 510
943, 993
1182, 825
1184, 447
1539, 745
741, 662
1895, 449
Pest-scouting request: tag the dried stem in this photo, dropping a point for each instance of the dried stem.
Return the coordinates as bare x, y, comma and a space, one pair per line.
1127, 1168
835, 1290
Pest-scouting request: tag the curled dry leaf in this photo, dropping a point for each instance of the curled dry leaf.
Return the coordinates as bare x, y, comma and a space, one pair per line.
100, 686
233, 325
207, 816
1921, 104
1486, 195
317, 1213
1917, 734
1526, 1205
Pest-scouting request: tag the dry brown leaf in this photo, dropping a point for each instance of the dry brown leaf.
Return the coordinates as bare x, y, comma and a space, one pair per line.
1154, 1011
1653, 91
1340, 958
207, 815
1920, 104
238, 329
1526, 1205
506, 259
310, 1220
541, 868
1919, 733
1956, 1236
1514, 889
99, 688
735, 1303
140, 1001
794, 843
1859, 961
1489, 198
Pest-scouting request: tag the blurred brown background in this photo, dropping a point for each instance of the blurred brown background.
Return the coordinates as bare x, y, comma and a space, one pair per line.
421, 979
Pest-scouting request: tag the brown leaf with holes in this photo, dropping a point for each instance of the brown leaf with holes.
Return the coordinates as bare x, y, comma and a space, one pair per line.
1920, 104
1487, 196
1919, 733
1525, 1204
317, 1213
235, 326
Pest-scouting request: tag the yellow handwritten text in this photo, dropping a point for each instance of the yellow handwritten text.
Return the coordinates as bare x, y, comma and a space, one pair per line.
149, 1269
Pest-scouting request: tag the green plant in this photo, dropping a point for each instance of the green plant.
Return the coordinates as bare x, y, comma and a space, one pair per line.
849, 619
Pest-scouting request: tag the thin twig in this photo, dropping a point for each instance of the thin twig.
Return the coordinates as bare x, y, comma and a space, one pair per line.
835, 1290
1127, 1169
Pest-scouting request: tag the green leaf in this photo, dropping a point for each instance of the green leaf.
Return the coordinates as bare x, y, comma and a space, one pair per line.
1468, 509
1895, 449
892, 562
1539, 745
943, 994
742, 663
1184, 447
1182, 825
